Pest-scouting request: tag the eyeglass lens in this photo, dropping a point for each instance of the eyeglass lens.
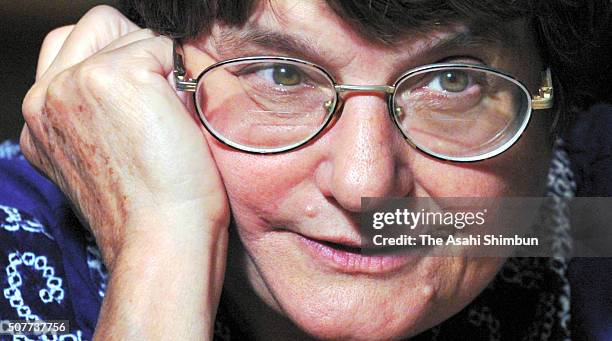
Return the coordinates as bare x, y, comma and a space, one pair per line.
454, 112
447, 111
265, 104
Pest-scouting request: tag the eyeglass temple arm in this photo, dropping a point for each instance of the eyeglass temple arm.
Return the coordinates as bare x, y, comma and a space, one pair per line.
182, 83
544, 98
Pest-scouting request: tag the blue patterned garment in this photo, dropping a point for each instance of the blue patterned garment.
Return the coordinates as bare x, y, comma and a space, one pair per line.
51, 269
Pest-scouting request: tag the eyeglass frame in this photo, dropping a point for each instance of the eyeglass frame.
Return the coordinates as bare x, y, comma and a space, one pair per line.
542, 101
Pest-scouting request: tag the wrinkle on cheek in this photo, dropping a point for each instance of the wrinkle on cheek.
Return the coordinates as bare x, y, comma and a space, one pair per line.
458, 181
258, 187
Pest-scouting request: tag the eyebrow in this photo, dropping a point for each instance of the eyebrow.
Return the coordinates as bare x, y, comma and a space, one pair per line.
255, 40
258, 40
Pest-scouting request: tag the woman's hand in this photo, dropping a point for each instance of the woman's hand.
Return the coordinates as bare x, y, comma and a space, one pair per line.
104, 124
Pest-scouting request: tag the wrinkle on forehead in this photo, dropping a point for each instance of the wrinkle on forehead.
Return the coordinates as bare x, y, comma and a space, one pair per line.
281, 27
291, 12
312, 31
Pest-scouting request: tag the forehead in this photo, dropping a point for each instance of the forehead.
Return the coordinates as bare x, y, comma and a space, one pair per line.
389, 21
312, 31
312, 26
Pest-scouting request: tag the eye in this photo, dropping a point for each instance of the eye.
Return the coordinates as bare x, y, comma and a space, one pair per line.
286, 75
450, 81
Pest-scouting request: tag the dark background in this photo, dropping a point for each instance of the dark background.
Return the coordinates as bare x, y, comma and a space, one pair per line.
24, 24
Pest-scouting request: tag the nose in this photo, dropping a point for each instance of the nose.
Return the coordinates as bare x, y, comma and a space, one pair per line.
367, 156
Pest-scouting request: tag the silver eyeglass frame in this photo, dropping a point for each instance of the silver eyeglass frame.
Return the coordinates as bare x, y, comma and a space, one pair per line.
543, 100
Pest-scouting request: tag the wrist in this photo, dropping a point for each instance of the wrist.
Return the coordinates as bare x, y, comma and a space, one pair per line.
174, 228
172, 269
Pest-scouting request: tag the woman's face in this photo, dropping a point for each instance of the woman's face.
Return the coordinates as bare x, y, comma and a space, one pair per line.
285, 205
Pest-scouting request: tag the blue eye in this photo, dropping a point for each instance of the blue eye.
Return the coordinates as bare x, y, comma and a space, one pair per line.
450, 81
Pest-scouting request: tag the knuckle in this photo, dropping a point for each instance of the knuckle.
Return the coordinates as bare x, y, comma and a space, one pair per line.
31, 105
154, 53
102, 12
165, 43
149, 32
56, 91
143, 77
94, 76
57, 35
162, 43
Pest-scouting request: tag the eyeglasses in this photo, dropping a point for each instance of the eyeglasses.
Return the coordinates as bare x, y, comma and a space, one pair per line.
455, 112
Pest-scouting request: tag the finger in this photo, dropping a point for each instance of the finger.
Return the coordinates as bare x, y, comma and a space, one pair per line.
31, 152
50, 48
98, 28
144, 51
199, 59
28, 149
140, 58
196, 59
155, 55
129, 38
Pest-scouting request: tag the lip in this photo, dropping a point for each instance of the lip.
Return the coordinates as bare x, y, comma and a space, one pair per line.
352, 261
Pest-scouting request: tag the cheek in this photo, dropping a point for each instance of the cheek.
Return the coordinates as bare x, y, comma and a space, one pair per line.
434, 178
258, 186
456, 181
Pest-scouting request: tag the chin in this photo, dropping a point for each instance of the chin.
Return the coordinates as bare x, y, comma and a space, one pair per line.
331, 306
374, 333
331, 302
362, 312
372, 323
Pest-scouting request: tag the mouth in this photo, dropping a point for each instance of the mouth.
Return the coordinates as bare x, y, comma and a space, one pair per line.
355, 258
340, 247
368, 249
